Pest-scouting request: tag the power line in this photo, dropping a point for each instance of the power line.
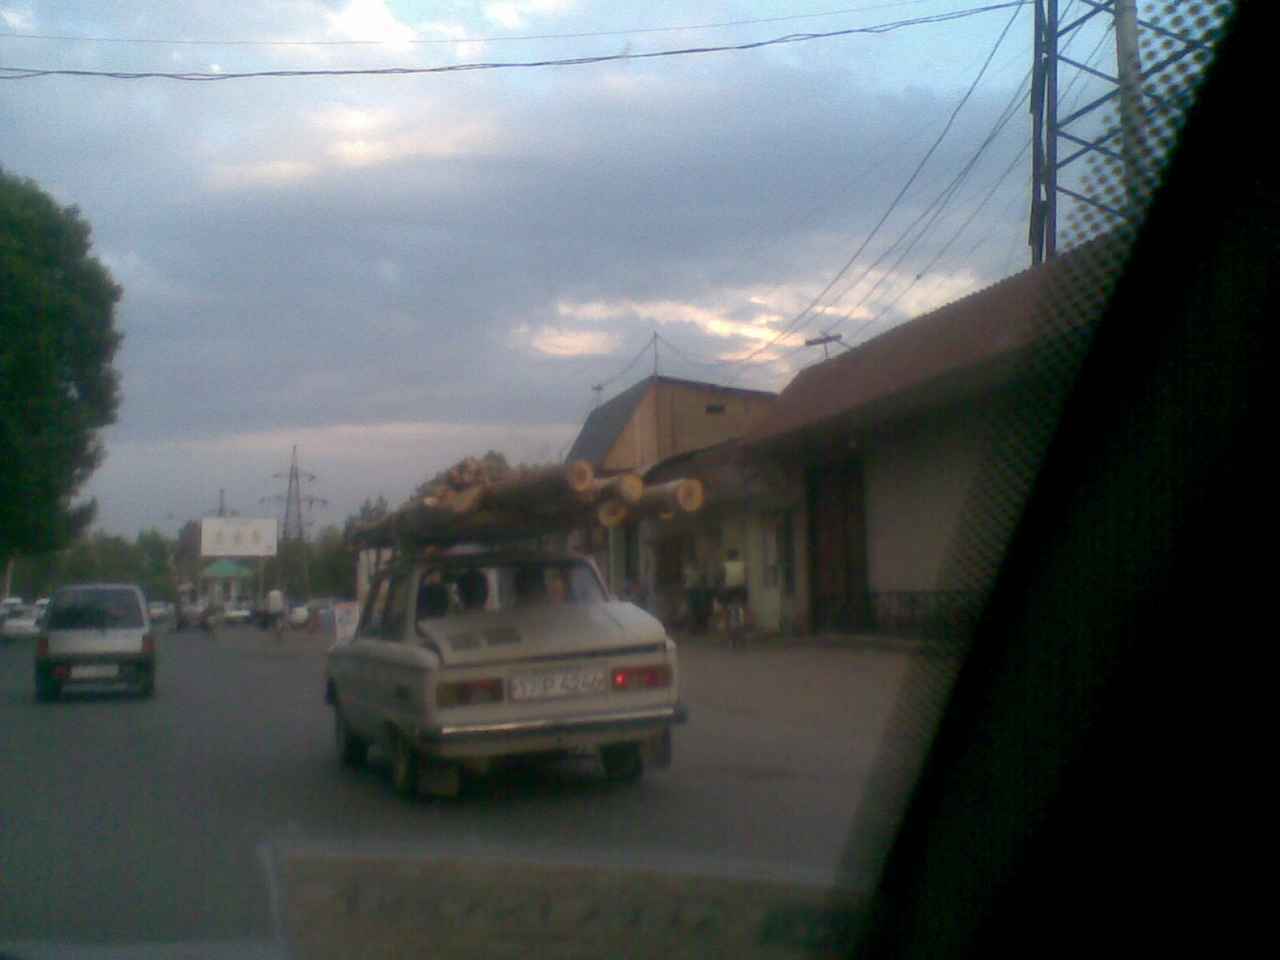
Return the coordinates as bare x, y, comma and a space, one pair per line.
944, 199
940, 202
648, 344
934, 209
28, 73
792, 325
424, 41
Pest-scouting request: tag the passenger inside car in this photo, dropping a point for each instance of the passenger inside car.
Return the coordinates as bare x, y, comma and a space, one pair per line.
473, 590
433, 601
531, 587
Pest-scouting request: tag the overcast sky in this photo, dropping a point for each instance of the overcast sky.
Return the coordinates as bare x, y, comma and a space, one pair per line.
393, 272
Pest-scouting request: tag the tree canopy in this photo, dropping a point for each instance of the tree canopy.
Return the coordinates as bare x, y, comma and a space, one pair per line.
58, 385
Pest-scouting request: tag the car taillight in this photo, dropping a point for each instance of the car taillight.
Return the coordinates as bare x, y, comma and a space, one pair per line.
467, 693
42, 647
642, 678
148, 643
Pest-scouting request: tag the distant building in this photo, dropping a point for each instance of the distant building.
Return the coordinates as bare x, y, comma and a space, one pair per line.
661, 417
648, 424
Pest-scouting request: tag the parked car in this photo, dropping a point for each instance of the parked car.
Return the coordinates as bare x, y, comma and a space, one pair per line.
237, 614
463, 659
159, 610
22, 623
95, 633
8, 605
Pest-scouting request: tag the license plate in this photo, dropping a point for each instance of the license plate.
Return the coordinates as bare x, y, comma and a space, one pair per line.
559, 683
95, 671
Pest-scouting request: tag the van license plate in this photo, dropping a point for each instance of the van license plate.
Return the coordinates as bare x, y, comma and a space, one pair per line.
96, 671
560, 683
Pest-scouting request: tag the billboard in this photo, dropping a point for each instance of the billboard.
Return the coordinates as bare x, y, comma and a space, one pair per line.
237, 537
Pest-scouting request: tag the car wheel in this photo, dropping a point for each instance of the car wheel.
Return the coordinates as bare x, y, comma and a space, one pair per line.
404, 768
46, 687
622, 762
352, 751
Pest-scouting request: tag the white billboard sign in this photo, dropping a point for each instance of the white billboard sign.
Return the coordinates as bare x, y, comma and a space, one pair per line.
237, 537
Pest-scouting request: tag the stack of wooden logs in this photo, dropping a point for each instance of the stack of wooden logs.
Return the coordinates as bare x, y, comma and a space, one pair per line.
472, 500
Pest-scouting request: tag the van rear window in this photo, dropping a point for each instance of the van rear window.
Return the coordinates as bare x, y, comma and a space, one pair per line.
94, 608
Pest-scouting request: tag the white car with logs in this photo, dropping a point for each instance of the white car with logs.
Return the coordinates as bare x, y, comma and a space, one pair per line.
461, 659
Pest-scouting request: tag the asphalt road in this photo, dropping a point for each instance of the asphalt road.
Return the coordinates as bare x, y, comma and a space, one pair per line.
126, 821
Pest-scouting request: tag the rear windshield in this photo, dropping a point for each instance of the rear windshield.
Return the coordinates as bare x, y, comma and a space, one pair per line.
507, 587
102, 608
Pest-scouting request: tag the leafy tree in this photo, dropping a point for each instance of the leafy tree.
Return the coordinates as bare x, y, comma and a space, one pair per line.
155, 559
333, 565
58, 387
369, 511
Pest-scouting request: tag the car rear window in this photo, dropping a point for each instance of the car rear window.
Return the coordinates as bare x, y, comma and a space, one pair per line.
102, 608
506, 587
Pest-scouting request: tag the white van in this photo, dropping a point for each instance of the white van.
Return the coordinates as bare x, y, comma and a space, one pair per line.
95, 633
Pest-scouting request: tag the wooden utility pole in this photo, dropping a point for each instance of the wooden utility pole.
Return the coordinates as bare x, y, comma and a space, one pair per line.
1129, 71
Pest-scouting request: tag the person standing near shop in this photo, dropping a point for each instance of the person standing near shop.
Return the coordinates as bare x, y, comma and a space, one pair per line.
275, 609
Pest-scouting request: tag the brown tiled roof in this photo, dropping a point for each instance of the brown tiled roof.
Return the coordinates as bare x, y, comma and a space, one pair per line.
979, 331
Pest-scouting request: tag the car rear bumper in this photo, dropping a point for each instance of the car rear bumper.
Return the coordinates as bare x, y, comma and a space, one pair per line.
129, 667
530, 736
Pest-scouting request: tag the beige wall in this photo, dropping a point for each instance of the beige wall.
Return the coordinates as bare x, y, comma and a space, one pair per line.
672, 418
637, 445
684, 423
919, 476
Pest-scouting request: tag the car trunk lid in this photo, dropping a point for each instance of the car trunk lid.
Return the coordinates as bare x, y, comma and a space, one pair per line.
543, 634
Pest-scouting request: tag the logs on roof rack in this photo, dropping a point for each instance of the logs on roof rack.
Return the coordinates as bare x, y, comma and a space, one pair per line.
472, 503
468, 487
663, 499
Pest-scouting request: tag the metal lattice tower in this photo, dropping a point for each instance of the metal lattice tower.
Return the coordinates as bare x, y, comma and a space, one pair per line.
294, 525
1138, 94
293, 529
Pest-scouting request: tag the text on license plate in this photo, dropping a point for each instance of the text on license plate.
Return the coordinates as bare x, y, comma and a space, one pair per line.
559, 683
95, 671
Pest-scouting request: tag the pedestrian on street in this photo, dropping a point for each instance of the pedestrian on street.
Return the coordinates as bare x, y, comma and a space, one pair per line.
275, 609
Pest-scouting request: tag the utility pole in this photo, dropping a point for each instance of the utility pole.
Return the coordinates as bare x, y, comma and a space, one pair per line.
1043, 231
655, 354
823, 342
1129, 71
598, 389
1137, 103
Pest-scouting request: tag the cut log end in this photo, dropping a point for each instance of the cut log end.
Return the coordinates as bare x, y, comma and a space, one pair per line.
690, 495
612, 513
630, 488
579, 475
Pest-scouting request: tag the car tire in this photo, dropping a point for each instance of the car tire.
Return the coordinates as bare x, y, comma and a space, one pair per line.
623, 762
352, 751
404, 768
47, 688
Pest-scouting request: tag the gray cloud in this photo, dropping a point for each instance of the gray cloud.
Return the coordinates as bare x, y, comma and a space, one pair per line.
299, 255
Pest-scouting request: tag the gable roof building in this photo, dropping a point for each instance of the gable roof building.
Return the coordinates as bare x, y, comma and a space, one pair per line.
660, 417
